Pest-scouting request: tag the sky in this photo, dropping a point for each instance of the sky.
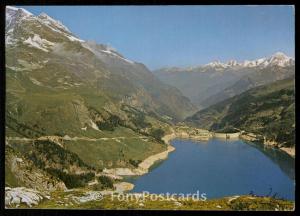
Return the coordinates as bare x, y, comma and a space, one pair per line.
162, 36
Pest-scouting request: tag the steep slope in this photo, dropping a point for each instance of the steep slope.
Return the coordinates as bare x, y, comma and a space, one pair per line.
74, 107
208, 84
19, 171
44, 59
267, 110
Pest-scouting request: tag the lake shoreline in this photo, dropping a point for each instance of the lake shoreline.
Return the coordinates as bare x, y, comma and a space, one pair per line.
146, 164
272, 144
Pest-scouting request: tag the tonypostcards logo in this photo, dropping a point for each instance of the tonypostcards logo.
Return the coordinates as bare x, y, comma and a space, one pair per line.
89, 196
145, 195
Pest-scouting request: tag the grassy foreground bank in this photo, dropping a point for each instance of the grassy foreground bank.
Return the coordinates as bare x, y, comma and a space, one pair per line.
236, 203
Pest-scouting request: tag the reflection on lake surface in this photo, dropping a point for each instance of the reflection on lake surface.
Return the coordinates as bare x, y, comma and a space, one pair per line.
221, 168
285, 162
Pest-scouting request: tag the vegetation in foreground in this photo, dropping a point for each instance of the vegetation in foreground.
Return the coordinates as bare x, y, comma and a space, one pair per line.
235, 203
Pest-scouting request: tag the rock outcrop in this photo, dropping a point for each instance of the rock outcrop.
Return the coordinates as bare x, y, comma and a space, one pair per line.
15, 197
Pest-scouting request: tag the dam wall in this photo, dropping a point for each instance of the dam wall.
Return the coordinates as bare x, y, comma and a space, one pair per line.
227, 135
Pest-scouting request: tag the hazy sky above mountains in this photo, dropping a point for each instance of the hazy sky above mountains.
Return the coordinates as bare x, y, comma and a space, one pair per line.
161, 36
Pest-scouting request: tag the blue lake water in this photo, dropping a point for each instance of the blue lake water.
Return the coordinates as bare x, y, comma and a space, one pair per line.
221, 168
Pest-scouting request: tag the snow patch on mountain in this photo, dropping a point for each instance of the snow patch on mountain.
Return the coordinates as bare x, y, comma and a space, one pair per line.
46, 19
57, 26
11, 8
114, 54
39, 43
104, 51
9, 40
232, 63
36, 82
72, 38
216, 64
14, 16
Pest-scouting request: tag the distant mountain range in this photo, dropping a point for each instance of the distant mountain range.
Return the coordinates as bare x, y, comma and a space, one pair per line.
216, 81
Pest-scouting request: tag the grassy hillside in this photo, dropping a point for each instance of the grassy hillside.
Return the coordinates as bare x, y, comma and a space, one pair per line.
267, 110
81, 106
116, 149
92, 108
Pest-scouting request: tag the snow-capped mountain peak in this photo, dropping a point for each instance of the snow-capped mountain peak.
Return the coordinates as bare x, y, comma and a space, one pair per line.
248, 63
279, 55
50, 21
216, 64
14, 15
260, 61
278, 59
11, 9
232, 63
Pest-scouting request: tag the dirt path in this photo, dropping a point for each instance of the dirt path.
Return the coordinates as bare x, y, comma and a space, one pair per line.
67, 138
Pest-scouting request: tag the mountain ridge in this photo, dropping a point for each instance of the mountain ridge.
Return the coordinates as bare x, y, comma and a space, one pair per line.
208, 84
102, 61
82, 106
278, 58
